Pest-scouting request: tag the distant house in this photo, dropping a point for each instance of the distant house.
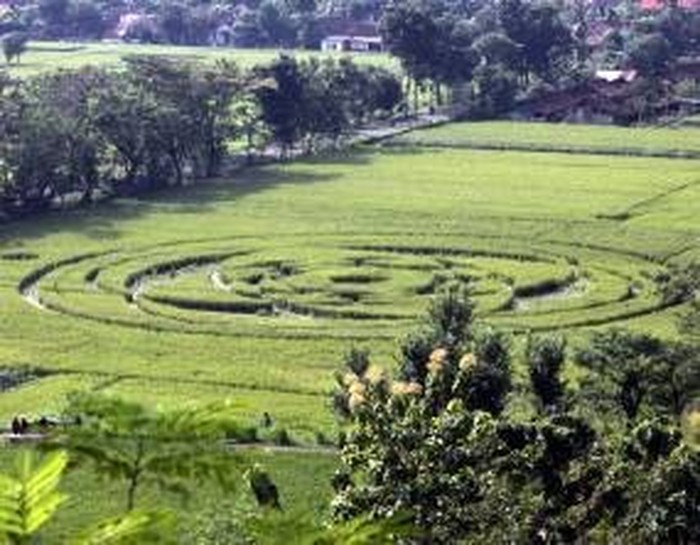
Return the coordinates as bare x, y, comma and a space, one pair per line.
362, 44
616, 76
612, 96
343, 35
137, 27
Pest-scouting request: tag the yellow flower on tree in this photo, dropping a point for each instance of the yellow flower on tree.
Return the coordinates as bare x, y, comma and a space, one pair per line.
406, 388
467, 362
436, 362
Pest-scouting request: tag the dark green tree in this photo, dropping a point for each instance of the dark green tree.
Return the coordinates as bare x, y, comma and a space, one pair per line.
14, 44
650, 54
545, 357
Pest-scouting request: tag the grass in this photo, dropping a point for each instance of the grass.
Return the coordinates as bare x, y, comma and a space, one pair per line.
47, 56
251, 288
561, 137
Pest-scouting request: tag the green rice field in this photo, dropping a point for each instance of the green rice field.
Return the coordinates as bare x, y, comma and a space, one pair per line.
48, 56
251, 288
651, 140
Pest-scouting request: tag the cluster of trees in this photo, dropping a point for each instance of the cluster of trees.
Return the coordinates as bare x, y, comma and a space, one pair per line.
652, 43
490, 52
475, 453
315, 100
485, 53
249, 23
494, 48
55, 19
72, 136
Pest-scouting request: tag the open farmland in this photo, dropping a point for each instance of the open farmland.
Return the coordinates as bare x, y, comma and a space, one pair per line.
650, 141
252, 288
48, 56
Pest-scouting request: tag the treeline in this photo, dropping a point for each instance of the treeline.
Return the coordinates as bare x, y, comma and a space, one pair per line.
73, 136
249, 23
489, 54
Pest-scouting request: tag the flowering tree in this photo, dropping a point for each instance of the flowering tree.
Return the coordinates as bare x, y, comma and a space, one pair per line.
443, 441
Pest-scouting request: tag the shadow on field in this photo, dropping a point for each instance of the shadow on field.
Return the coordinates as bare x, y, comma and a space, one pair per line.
101, 221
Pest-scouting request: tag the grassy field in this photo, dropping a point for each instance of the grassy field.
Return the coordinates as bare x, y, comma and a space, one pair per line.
251, 288
562, 137
46, 56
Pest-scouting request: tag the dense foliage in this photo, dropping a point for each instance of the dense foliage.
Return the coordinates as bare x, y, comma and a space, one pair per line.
477, 455
489, 53
73, 136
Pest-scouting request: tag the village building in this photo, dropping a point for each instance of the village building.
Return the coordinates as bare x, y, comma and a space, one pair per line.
360, 44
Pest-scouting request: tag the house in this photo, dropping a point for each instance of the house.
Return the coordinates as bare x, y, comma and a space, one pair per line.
363, 44
343, 35
612, 96
616, 76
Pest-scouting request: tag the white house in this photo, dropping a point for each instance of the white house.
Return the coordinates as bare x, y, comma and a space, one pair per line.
362, 44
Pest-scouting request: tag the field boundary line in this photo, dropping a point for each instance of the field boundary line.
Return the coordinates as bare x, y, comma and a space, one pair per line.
629, 212
537, 148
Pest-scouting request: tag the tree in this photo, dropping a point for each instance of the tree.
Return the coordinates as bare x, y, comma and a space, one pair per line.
650, 54
544, 42
432, 42
276, 25
246, 30
128, 443
86, 19
469, 471
174, 22
68, 97
497, 48
545, 357
54, 13
638, 373
33, 151
495, 89
13, 45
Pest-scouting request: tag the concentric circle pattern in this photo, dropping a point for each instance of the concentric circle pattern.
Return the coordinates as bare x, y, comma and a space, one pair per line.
345, 287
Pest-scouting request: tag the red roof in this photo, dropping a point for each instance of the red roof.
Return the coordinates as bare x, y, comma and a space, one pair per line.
655, 5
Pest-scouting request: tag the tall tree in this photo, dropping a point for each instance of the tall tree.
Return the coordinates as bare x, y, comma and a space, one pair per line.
14, 44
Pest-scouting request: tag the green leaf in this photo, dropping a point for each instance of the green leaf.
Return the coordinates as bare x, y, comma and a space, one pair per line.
136, 527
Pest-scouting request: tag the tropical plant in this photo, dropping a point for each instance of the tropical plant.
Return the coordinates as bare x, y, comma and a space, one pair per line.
30, 498
128, 443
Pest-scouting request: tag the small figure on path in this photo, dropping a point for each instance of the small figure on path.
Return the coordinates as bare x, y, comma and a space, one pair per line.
266, 420
16, 426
